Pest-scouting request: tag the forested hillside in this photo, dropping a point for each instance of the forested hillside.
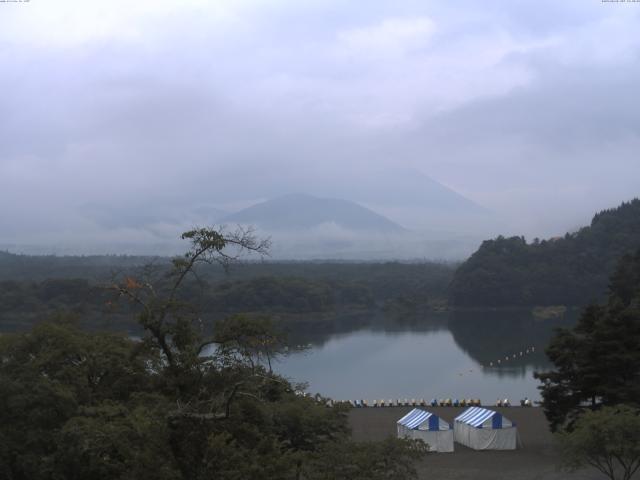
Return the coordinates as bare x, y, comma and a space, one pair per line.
35, 288
571, 270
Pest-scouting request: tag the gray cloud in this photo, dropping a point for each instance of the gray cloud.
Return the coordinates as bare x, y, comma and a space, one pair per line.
527, 108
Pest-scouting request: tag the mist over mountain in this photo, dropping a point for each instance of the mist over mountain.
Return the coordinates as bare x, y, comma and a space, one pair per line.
112, 145
398, 187
301, 212
385, 214
417, 202
305, 227
404, 195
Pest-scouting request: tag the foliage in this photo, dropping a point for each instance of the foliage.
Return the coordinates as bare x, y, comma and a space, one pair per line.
607, 439
253, 340
392, 459
305, 294
569, 270
57, 380
180, 403
288, 294
598, 361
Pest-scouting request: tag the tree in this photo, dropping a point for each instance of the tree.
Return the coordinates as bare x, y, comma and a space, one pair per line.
165, 317
252, 339
116, 440
597, 362
72, 403
607, 439
183, 403
392, 459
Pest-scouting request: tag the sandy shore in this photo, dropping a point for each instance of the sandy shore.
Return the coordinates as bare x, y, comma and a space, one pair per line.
536, 459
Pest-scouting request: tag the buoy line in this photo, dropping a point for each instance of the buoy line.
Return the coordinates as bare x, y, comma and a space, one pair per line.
514, 356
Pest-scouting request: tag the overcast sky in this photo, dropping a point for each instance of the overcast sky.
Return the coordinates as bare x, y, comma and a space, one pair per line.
529, 108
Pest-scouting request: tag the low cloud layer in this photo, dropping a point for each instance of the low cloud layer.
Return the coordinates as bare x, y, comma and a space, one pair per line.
139, 110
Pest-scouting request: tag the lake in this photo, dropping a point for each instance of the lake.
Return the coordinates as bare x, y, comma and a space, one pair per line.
379, 356
452, 357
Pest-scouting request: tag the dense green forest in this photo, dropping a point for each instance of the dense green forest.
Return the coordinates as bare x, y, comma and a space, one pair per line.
571, 270
33, 288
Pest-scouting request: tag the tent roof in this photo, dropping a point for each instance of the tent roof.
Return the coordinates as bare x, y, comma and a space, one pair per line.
415, 418
475, 416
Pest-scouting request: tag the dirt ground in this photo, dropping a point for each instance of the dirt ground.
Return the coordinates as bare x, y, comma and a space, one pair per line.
535, 459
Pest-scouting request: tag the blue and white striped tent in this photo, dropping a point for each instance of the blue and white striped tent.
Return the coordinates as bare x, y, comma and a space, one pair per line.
428, 427
483, 429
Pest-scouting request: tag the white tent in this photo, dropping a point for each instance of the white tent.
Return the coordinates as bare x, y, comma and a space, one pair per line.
483, 429
425, 426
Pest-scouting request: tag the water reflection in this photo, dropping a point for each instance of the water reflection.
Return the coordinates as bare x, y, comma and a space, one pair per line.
495, 339
315, 332
437, 356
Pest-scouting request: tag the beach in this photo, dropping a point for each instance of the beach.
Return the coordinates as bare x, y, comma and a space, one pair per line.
536, 457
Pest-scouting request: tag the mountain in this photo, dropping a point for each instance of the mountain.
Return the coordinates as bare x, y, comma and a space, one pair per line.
406, 195
441, 224
409, 197
303, 212
569, 270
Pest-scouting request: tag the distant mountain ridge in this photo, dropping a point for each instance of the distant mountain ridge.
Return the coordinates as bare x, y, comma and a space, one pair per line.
303, 212
570, 270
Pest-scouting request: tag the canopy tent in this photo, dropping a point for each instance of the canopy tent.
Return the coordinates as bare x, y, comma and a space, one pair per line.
483, 429
428, 427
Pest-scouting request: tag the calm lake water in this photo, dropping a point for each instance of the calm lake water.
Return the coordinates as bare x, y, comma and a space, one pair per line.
456, 357
371, 356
